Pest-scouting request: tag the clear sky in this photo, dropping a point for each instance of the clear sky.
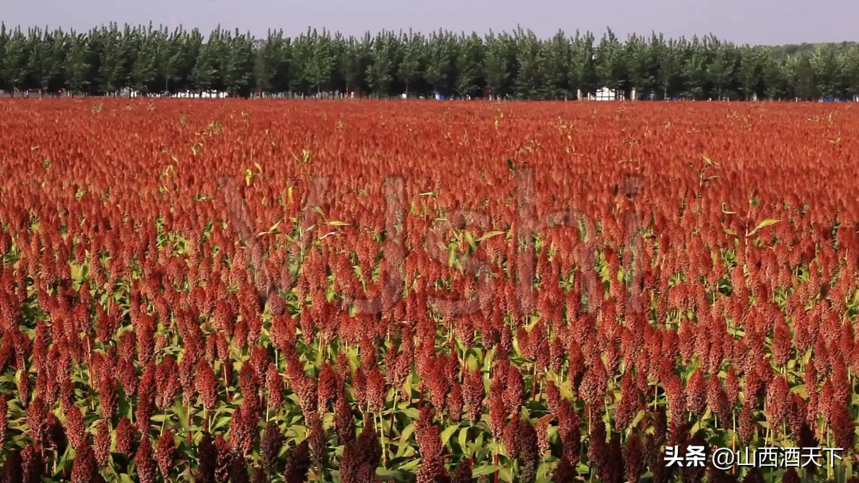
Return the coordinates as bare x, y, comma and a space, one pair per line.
740, 21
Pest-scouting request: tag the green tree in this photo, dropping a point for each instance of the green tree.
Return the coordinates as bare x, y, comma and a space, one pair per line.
554, 64
826, 69
411, 66
144, 67
611, 63
237, 68
318, 60
497, 64
468, 65
381, 72
205, 70
583, 72
439, 59
77, 72
721, 71
15, 60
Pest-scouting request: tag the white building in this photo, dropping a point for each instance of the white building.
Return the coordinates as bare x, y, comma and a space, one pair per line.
606, 94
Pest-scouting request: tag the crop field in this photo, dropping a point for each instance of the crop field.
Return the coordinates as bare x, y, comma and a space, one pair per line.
234, 291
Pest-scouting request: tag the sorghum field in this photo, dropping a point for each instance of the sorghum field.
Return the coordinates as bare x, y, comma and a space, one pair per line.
419, 291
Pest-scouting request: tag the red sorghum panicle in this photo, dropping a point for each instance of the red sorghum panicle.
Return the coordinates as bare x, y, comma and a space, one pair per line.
696, 393
207, 457
207, 385
242, 429
569, 430
781, 346
674, 388
37, 420
432, 457
327, 387
746, 424
13, 467
564, 472
167, 383
359, 383
317, 439
472, 394
343, 419
33, 465
146, 468
107, 396
165, 452
4, 418
249, 388
239, 468
631, 401
270, 446
223, 460
126, 374
497, 414
145, 399
101, 444
633, 457
75, 426
553, 397
510, 437
376, 389
598, 448
542, 429
843, 426
274, 388
298, 463
514, 391
595, 382
777, 402
85, 470
732, 386
125, 436
463, 472
454, 402
529, 452
717, 399
350, 465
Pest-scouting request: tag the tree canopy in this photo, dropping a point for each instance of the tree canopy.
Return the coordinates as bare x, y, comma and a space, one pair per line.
516, 64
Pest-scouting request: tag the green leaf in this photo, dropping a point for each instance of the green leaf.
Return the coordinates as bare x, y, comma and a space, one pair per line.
490, 234
485, 470
410, 466
463, 439
800, 389
762, 225
470, 239
221, 422
404, 440
389, 475
447, 433
412, 413
638, 418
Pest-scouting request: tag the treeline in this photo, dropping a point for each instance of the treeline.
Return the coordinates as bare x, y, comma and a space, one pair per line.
517, 64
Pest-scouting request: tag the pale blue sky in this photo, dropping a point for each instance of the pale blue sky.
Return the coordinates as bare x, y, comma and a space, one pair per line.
740, 21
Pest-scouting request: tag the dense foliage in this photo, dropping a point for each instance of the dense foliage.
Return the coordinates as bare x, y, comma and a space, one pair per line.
516, 64
354, 292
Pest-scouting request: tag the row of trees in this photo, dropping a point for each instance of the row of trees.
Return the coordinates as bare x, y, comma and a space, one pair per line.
518, 64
